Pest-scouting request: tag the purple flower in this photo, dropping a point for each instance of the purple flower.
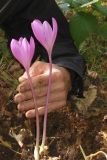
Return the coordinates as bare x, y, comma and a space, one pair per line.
23, 51
45, 34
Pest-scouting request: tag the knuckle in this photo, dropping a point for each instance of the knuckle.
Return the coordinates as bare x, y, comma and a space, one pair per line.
63, 86
58, 75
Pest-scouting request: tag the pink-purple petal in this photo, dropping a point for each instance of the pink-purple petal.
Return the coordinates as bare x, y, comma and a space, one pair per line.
45, 34
20, 40
25, 45
23, 51
47, 30
14, 45
55, 30
32, 47
48, 34
38, 31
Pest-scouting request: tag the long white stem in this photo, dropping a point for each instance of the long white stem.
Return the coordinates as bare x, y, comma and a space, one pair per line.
37, 118
47, 101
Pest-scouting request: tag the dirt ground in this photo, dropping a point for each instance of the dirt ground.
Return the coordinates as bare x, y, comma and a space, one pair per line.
80, 124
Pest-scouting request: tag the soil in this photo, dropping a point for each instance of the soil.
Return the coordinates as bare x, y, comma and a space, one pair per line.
82, 123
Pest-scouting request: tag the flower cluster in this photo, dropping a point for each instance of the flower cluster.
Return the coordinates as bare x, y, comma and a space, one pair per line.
24, 51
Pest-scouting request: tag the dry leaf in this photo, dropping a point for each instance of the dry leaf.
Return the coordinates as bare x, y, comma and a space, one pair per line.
17, 137
105, 53
90, 96
92, 74
5, 143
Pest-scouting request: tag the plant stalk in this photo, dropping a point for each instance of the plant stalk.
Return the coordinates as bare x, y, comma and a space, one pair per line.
36, 150
47, 101
82, 151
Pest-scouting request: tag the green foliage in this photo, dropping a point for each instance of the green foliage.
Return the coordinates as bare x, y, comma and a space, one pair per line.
4, 50
102, 30
82, 25
88, 27
80, 3
94, 49
86, 19
100, 8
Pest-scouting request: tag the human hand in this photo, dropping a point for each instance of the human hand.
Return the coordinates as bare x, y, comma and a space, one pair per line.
39, 72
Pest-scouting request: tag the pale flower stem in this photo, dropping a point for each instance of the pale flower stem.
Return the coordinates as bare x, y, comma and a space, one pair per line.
84, 155
47, 101
91, 156
36, 112
95, 154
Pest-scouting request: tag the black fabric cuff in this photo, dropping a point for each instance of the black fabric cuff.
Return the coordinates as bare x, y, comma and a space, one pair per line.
77, 87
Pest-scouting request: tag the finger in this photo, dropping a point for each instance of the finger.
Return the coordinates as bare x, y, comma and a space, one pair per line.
37, 81
55, 96
40, 81
34, 70
52, 107
39, 92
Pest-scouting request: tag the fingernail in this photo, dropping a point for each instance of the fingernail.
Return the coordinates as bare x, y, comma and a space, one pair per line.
18, 99
28, 115
20, 88
15, 99
17, 89
18, 106
20, 78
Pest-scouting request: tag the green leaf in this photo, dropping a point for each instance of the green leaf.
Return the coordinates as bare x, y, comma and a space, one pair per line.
89, 3
102, 30
81, 3
100, 8
76, 3
81, 26
64, 6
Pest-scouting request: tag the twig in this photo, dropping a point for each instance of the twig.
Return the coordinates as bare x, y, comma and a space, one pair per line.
90, 157
82, 151
3, 143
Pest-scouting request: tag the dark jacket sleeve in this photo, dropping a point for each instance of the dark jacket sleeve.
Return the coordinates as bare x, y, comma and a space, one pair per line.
65, 54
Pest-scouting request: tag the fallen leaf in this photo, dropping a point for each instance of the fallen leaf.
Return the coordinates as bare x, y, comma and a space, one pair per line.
17, 137
92, 74
5, 143
90, 96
